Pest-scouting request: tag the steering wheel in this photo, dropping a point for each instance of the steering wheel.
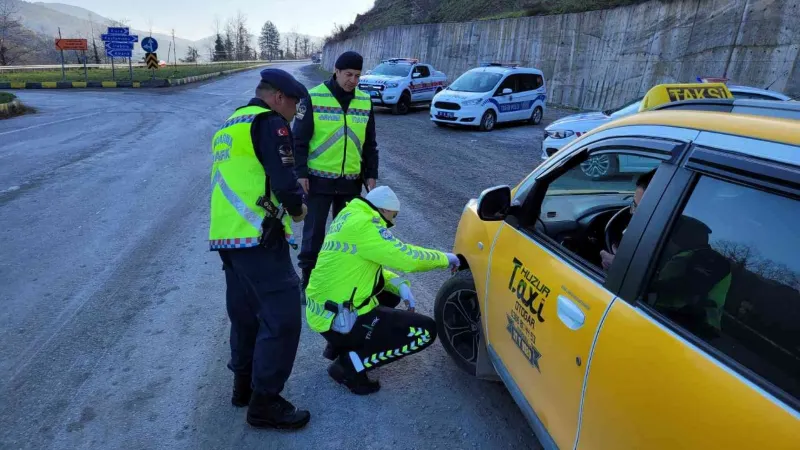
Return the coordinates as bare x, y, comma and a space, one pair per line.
609, 228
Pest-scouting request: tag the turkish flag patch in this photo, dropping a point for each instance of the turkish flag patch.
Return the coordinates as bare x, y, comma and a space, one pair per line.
282, 131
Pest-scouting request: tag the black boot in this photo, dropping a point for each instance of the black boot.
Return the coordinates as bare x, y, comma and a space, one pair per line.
241, 391
330, 352
275, 412
358, 382
306, 276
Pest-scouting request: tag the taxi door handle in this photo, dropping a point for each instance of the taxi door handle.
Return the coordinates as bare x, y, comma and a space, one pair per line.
569, 313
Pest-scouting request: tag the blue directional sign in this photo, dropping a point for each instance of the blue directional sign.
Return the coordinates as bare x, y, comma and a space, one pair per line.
119, 53
119, 45
149, 45
119, 38
118, 30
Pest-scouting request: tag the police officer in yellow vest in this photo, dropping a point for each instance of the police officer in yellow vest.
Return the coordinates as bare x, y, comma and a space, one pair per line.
352, 297
254, 191
335, 151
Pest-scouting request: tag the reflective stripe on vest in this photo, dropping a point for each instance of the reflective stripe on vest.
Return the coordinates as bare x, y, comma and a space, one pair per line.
336, 146
237, 181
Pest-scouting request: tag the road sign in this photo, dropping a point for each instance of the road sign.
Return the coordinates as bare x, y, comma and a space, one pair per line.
119, 53
119, 45
119, 30
71, 44
152, 60
119, 38
149, 44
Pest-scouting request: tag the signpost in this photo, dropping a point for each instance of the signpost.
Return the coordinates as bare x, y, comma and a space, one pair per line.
119, 44
72, 44
150, 46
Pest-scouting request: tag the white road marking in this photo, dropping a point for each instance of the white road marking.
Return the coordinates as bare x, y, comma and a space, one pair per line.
11, 189
48, 123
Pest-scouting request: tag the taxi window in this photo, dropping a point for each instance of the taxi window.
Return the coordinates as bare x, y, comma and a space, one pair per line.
579, 203
729, 274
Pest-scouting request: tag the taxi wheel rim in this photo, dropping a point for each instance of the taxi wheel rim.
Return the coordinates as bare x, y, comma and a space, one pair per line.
462, 324
596, 166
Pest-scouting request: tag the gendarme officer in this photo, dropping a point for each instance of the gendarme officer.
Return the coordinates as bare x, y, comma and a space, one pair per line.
253, 190
336, 151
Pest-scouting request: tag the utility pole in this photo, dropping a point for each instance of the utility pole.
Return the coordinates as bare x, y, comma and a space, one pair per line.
174, 51
63, 73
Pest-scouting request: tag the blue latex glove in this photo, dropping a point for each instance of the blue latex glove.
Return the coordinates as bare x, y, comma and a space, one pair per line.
453, 260
407, 297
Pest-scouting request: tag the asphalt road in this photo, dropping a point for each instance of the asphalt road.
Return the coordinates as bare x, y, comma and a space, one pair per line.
113, 327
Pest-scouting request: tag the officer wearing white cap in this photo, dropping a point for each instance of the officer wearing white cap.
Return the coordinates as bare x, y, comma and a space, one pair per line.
253, 190
351, 296
336, 151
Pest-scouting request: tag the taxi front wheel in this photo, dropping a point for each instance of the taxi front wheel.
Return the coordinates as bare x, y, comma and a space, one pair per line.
458, 320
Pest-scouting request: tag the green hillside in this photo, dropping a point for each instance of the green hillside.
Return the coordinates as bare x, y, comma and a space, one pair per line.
407, 12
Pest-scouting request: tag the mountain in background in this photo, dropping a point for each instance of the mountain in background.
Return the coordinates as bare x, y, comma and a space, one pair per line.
41, 21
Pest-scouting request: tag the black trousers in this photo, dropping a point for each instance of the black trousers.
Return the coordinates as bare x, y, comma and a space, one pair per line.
383, 336
263, 302
319, 205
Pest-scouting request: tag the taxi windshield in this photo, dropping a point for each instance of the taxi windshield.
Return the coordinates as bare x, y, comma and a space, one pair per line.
392, 70
476, 82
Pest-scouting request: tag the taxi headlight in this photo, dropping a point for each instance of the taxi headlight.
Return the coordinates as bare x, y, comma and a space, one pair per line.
472, 102
559, 134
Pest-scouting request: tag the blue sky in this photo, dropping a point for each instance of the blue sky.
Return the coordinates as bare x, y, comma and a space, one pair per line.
194, 19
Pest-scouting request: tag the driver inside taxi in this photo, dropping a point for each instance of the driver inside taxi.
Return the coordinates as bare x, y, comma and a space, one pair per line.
641, 186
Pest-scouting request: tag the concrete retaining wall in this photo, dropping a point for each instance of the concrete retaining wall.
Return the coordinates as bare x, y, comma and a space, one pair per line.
602, 59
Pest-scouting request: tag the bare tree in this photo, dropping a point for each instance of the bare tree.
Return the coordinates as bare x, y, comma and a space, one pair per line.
9, 26
306, 42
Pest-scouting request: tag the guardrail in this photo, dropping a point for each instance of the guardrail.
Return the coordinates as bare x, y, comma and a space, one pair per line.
122, 66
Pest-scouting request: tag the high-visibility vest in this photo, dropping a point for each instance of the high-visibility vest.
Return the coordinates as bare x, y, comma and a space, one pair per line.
348, 270
237, 182
335, 148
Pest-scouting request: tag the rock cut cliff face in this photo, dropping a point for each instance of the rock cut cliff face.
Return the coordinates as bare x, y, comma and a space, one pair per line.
604, 58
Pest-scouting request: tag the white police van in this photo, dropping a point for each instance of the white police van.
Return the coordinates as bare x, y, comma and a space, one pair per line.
398, 83
491, 94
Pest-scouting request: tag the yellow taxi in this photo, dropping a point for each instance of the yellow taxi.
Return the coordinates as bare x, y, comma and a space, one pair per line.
656, 309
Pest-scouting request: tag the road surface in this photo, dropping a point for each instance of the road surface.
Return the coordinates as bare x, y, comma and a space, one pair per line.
112, 317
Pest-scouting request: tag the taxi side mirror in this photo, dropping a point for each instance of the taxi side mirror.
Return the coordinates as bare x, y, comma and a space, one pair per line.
494, 203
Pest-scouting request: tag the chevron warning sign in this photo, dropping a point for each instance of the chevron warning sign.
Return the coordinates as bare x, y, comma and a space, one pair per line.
152, 60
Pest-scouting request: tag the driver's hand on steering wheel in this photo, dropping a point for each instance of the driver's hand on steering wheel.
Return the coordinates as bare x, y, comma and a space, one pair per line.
608, 258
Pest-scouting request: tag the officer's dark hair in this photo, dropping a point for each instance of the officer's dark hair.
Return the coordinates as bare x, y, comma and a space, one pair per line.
264, 88
644, 180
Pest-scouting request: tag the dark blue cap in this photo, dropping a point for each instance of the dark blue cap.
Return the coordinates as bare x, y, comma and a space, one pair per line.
284, 82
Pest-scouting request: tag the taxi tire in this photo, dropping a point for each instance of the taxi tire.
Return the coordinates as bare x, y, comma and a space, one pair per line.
403, 106
482, 126
462, 280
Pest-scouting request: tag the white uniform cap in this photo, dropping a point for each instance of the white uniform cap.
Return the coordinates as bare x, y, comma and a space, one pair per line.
383, 197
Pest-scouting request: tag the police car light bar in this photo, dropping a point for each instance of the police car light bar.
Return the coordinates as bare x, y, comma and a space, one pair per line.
412, 60
497, 64
712, 80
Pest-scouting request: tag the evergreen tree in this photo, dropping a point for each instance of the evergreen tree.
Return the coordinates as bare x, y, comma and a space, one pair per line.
219, 49
229, 50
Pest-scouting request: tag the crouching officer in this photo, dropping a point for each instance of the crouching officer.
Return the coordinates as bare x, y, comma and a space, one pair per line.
351, 297
253, 189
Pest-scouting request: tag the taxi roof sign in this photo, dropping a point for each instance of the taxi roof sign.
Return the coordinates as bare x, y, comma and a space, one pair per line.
667, 93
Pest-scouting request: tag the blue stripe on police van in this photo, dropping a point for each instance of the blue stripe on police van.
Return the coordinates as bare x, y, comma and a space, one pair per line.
515, 106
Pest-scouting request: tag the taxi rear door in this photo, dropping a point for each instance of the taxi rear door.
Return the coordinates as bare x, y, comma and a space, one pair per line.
545, 302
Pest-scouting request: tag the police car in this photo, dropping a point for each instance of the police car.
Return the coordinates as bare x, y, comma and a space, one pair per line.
398, 83
565, 130
491, 94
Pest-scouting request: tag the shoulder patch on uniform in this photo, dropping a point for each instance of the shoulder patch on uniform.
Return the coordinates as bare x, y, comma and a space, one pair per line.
386, 234
376, 220
287, 156
282, 131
